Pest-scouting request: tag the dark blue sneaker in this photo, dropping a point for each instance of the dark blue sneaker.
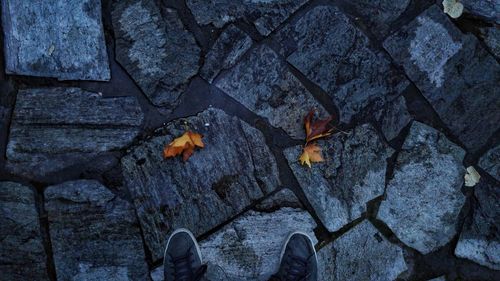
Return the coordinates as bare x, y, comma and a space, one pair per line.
298, 259
182, 260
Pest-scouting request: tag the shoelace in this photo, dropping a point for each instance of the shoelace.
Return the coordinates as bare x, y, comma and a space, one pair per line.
183, 271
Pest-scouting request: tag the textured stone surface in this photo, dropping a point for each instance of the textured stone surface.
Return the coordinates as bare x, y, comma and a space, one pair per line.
423, 199
22, 256
393, 117
353, 174
55, 38
265, 15
327, 48
55, 128
454, 72
155, 49
282, 198
362, 253
489, 9
263, 84
95, 234
235, 168
231, 45
491, 37
490, 162
480, 240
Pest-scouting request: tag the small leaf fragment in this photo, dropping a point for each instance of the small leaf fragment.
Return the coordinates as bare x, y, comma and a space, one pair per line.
316, 129
471, 177
310, 153
184, 145
453, 8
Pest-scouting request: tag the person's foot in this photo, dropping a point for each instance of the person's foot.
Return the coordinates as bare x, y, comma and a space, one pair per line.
298, 259
182, 260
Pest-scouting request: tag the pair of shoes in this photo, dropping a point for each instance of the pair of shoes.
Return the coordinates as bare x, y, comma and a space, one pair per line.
183, 262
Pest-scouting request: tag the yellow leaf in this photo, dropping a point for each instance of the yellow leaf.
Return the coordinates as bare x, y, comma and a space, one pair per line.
184, 144
311, 153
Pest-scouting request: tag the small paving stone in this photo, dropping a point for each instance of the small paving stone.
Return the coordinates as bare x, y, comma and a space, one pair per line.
490, 162
231, 45
263, 84
489, 9
454, 72
423, 199
480, 240
94, 234
234, 169
265, 15
362, 253
22, 255
333, 53
55, 128
393, 117
353, 174
55, 38
155, 49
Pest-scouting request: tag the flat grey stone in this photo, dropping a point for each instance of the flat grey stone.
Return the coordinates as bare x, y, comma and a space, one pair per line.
489, 9
362, 253
423, 199
55, 128
353, 174
155, 49
22, 255
480, 240
490, 162
333, 53
94, 234
55, 38
265, 15
231, 45
454, 72
394, 117
234, 169
264, 85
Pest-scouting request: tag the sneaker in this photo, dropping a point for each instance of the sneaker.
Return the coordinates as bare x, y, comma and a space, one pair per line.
182, 259
298, 259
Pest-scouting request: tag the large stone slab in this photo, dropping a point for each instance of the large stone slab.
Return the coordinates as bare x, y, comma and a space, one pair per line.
480, 240
55, 128
231, 45
265, 15
423, 199
490, 162
22, 254
454, 72
234, 169
94, 234
155, 49
333, 53
263, 84
353, 174
489, 9
362, 253
55, 38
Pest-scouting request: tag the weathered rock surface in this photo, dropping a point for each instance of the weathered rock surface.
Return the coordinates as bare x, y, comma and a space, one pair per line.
353, 174
55, 38
282, 198
235, 168
22, 255
263, 84
362, 253
454, 72
231, 45
490, 162
155, 49
393, 117
423, 199
480, 241
491, 37
95, 235
265, 15
55, 128
489, 9
327, 48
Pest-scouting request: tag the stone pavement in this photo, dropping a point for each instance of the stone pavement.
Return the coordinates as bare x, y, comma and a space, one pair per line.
91, 91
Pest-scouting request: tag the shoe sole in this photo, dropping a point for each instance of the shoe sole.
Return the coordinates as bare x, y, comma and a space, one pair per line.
179, 230
288, 239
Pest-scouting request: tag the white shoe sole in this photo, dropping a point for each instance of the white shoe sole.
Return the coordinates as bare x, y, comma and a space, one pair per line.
288, 239
179, 230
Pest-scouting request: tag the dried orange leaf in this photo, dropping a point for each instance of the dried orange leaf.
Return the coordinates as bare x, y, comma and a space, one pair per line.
316, 129
311, 153
184, 144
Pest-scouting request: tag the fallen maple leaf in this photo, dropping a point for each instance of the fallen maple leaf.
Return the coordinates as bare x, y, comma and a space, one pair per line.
311, 153
471, 177
318, 128
184, 144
